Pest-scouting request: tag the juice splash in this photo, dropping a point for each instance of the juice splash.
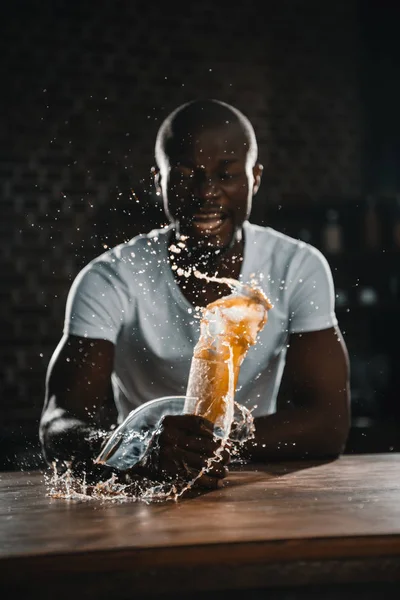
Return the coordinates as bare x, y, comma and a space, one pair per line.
229, 327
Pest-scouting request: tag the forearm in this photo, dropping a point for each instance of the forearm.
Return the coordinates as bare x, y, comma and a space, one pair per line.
297, 433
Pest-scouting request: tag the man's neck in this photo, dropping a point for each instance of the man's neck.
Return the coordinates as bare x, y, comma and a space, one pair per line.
224, 263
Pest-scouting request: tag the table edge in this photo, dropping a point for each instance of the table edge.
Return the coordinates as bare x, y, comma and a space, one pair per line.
248, 552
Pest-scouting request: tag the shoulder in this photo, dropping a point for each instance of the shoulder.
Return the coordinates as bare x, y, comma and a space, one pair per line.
117, 271
130, 256
139, 248
282, 247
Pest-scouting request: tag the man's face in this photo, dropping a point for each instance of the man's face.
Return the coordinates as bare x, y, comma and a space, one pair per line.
207, 186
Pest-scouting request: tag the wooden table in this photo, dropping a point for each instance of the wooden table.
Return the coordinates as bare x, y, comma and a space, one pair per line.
282, 527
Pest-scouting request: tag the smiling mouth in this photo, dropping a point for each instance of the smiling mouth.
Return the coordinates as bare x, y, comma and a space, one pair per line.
208, 222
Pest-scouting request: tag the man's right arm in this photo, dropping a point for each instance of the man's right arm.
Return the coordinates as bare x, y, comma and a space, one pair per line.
73, 425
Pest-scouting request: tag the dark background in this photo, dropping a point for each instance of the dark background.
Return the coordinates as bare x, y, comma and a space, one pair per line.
85, 86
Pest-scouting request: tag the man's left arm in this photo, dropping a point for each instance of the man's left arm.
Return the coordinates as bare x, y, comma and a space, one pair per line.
317, 423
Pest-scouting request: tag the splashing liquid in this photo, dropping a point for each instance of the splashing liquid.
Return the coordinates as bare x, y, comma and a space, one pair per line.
229, 326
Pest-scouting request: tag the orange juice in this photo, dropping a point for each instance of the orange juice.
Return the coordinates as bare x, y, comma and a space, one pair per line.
229, 326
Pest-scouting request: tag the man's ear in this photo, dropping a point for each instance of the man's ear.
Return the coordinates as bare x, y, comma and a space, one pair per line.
257, 174
157, 179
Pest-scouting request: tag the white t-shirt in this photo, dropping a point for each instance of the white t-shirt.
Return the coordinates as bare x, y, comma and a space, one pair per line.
129, 296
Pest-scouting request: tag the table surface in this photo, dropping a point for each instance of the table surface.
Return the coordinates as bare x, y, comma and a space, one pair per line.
347, 509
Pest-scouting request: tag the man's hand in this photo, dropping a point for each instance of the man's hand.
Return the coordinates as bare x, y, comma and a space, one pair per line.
179, 449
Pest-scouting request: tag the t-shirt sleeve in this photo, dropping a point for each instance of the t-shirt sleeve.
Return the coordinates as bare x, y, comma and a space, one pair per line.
95, 304
312, 298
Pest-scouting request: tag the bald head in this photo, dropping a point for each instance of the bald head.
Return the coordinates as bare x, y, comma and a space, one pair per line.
181, 127
207, 175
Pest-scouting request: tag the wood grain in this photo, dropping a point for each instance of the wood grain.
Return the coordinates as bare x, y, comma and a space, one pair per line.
271, 524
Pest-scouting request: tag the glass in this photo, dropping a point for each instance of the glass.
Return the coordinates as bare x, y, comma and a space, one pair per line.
127, 444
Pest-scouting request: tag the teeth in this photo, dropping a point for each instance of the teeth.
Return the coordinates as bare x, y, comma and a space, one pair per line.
209, 217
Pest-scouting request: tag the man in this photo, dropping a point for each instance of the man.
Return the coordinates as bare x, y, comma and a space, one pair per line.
130, 315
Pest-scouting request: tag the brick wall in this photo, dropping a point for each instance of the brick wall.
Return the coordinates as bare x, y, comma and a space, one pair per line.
86, 86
